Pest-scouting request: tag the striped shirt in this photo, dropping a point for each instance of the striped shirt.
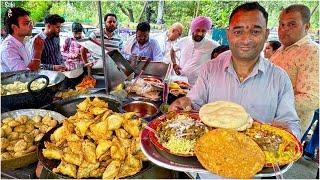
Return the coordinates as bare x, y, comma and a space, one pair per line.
266, 94
13, 55
51, 54
114, 42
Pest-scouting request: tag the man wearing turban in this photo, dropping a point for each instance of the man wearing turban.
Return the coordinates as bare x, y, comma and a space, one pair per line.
195, 50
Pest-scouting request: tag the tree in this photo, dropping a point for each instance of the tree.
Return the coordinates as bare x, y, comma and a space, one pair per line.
125, 9
160, 12
38, 9
169, 11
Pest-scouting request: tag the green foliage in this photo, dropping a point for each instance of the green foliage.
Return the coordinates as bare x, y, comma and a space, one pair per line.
174, 11
76, 11
5, 5
38, 9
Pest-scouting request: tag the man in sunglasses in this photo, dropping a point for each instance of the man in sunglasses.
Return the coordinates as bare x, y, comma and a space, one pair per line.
14, 55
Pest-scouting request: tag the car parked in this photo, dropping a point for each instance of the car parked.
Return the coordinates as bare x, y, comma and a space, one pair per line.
37, 28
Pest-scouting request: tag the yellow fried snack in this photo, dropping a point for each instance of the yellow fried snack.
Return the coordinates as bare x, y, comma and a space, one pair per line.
229, 153
19, 135
75, 146
96, 141
60, 134
71, 93
82, 126
66, 169
72, 137
135, 145
89, 149
225, 114
97, 173
99, 103
130, 167
52, 153
85, 168
114, 121
112, 170
84, 105
98, 110
139, 155
100, 131
72, 158
103, 147
117, 150
121, 133
132, 127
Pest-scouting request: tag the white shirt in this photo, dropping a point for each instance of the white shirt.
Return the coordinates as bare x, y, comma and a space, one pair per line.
165, 45
193, 55
14, 55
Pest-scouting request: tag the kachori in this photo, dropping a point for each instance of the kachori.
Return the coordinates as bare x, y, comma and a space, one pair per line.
229, 153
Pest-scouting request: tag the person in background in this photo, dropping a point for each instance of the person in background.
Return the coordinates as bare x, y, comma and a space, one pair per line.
74, 61
111, 38
218, 50
270, 48
3, 34
168, 38
195, 50
51, 58
71, 48
13, 52
141, 45
241, 75
299, 57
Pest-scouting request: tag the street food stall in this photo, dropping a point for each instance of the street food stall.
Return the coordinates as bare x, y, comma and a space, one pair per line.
128, 134
124, 129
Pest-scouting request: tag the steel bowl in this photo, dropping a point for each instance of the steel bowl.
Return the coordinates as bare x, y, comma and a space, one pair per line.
30, 99
145, 110
31, 157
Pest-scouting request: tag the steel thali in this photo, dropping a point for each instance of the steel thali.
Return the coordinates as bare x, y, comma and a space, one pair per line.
191, 164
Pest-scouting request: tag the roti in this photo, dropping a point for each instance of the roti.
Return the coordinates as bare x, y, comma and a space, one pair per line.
224, 114
275, 142
229, 153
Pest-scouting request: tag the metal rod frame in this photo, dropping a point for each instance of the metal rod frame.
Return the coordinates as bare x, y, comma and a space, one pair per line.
104, 59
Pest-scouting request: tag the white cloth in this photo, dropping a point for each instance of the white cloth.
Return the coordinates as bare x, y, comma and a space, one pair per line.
193, 54
165, 45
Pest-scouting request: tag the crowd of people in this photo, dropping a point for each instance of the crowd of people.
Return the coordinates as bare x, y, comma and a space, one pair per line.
279, 87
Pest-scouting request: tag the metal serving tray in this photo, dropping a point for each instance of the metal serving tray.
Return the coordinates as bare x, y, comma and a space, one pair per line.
186, 164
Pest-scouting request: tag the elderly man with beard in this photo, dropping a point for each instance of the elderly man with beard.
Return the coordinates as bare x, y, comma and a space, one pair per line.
13, 53
299, 57
51, 58
195, 50
244, 77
